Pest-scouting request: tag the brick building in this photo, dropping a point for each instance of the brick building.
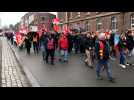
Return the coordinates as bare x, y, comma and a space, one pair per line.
97, 21
36, 19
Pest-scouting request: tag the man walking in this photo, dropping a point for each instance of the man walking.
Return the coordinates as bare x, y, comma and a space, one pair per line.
103, 51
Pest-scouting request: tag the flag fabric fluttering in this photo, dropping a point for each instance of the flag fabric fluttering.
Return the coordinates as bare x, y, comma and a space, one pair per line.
65, 30
55, 22
18, 38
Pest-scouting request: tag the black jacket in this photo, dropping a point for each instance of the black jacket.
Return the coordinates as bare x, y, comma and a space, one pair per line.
27, 43
111, 40
46, 42
130, 42
90, 42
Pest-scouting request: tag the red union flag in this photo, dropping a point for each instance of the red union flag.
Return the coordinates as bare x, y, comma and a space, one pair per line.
56, 28
55, 21
18, 38
65, 30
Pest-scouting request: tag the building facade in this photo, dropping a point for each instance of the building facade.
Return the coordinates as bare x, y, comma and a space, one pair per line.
97, 21
38, 19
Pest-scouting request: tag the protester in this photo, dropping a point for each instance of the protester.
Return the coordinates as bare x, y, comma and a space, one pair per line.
116, 41
122, 49
77, 42
103, 51
88, 46
35, 43
130, 42
63, 47
82, 43
28, 44
43, 39
70, 42
50, 48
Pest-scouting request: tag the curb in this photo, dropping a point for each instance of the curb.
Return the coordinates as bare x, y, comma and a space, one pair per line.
29, 75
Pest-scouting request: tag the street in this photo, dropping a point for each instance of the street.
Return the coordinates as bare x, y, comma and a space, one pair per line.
95, 34
73, 74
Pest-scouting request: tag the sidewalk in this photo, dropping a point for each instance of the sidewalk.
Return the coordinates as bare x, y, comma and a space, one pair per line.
12, 74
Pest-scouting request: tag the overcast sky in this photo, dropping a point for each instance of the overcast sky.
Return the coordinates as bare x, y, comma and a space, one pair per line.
7, 18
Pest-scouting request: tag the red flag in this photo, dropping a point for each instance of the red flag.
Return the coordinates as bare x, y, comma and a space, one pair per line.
65, 29
55, 27
18, 38
55, 21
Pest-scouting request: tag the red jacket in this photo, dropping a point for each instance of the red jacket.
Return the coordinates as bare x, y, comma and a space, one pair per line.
63, 43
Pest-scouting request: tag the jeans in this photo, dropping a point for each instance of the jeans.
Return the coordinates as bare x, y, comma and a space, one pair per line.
122, 57
51, 54
64, 54
43, 50
88, 59
106, 64
35, 47
77, 47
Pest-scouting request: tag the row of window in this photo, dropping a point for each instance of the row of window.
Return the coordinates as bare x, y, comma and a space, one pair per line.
78, 14
114, 24
99, 26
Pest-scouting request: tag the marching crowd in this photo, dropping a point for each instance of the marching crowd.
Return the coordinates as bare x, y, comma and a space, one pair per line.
96, 47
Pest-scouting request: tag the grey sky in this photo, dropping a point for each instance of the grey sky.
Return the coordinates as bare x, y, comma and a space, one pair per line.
7, 18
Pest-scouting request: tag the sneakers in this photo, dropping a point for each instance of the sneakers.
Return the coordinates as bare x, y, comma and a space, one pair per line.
99, 78
121, 65
112, 58
128, 64
112, 80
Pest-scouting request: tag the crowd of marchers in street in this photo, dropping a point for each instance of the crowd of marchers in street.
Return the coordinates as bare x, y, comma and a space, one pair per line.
95, 46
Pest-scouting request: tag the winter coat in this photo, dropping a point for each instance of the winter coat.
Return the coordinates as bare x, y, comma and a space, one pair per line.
130, 42
27, 43
47, 40
122, 44
111, 40
105, 50
63, 43
89, 42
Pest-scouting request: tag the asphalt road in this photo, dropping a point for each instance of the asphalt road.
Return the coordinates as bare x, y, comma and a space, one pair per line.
75, 73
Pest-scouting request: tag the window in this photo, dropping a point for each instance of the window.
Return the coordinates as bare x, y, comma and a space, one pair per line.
43, 18
99, 24
132, 21
87, 26
88, 13
71, 15
114, 23
78, 13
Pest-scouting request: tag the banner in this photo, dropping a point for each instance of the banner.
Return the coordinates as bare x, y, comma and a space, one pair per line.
65, 29
55, 21
33, 28
56, 27
18, 38
116, 40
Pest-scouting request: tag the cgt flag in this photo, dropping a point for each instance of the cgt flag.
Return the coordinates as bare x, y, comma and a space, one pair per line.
55, 21
55, 27
65, 30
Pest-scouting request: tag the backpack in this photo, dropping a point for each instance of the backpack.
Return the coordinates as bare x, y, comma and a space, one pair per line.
50, 44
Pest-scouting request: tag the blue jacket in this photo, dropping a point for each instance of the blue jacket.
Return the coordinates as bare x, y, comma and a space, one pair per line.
106, 51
